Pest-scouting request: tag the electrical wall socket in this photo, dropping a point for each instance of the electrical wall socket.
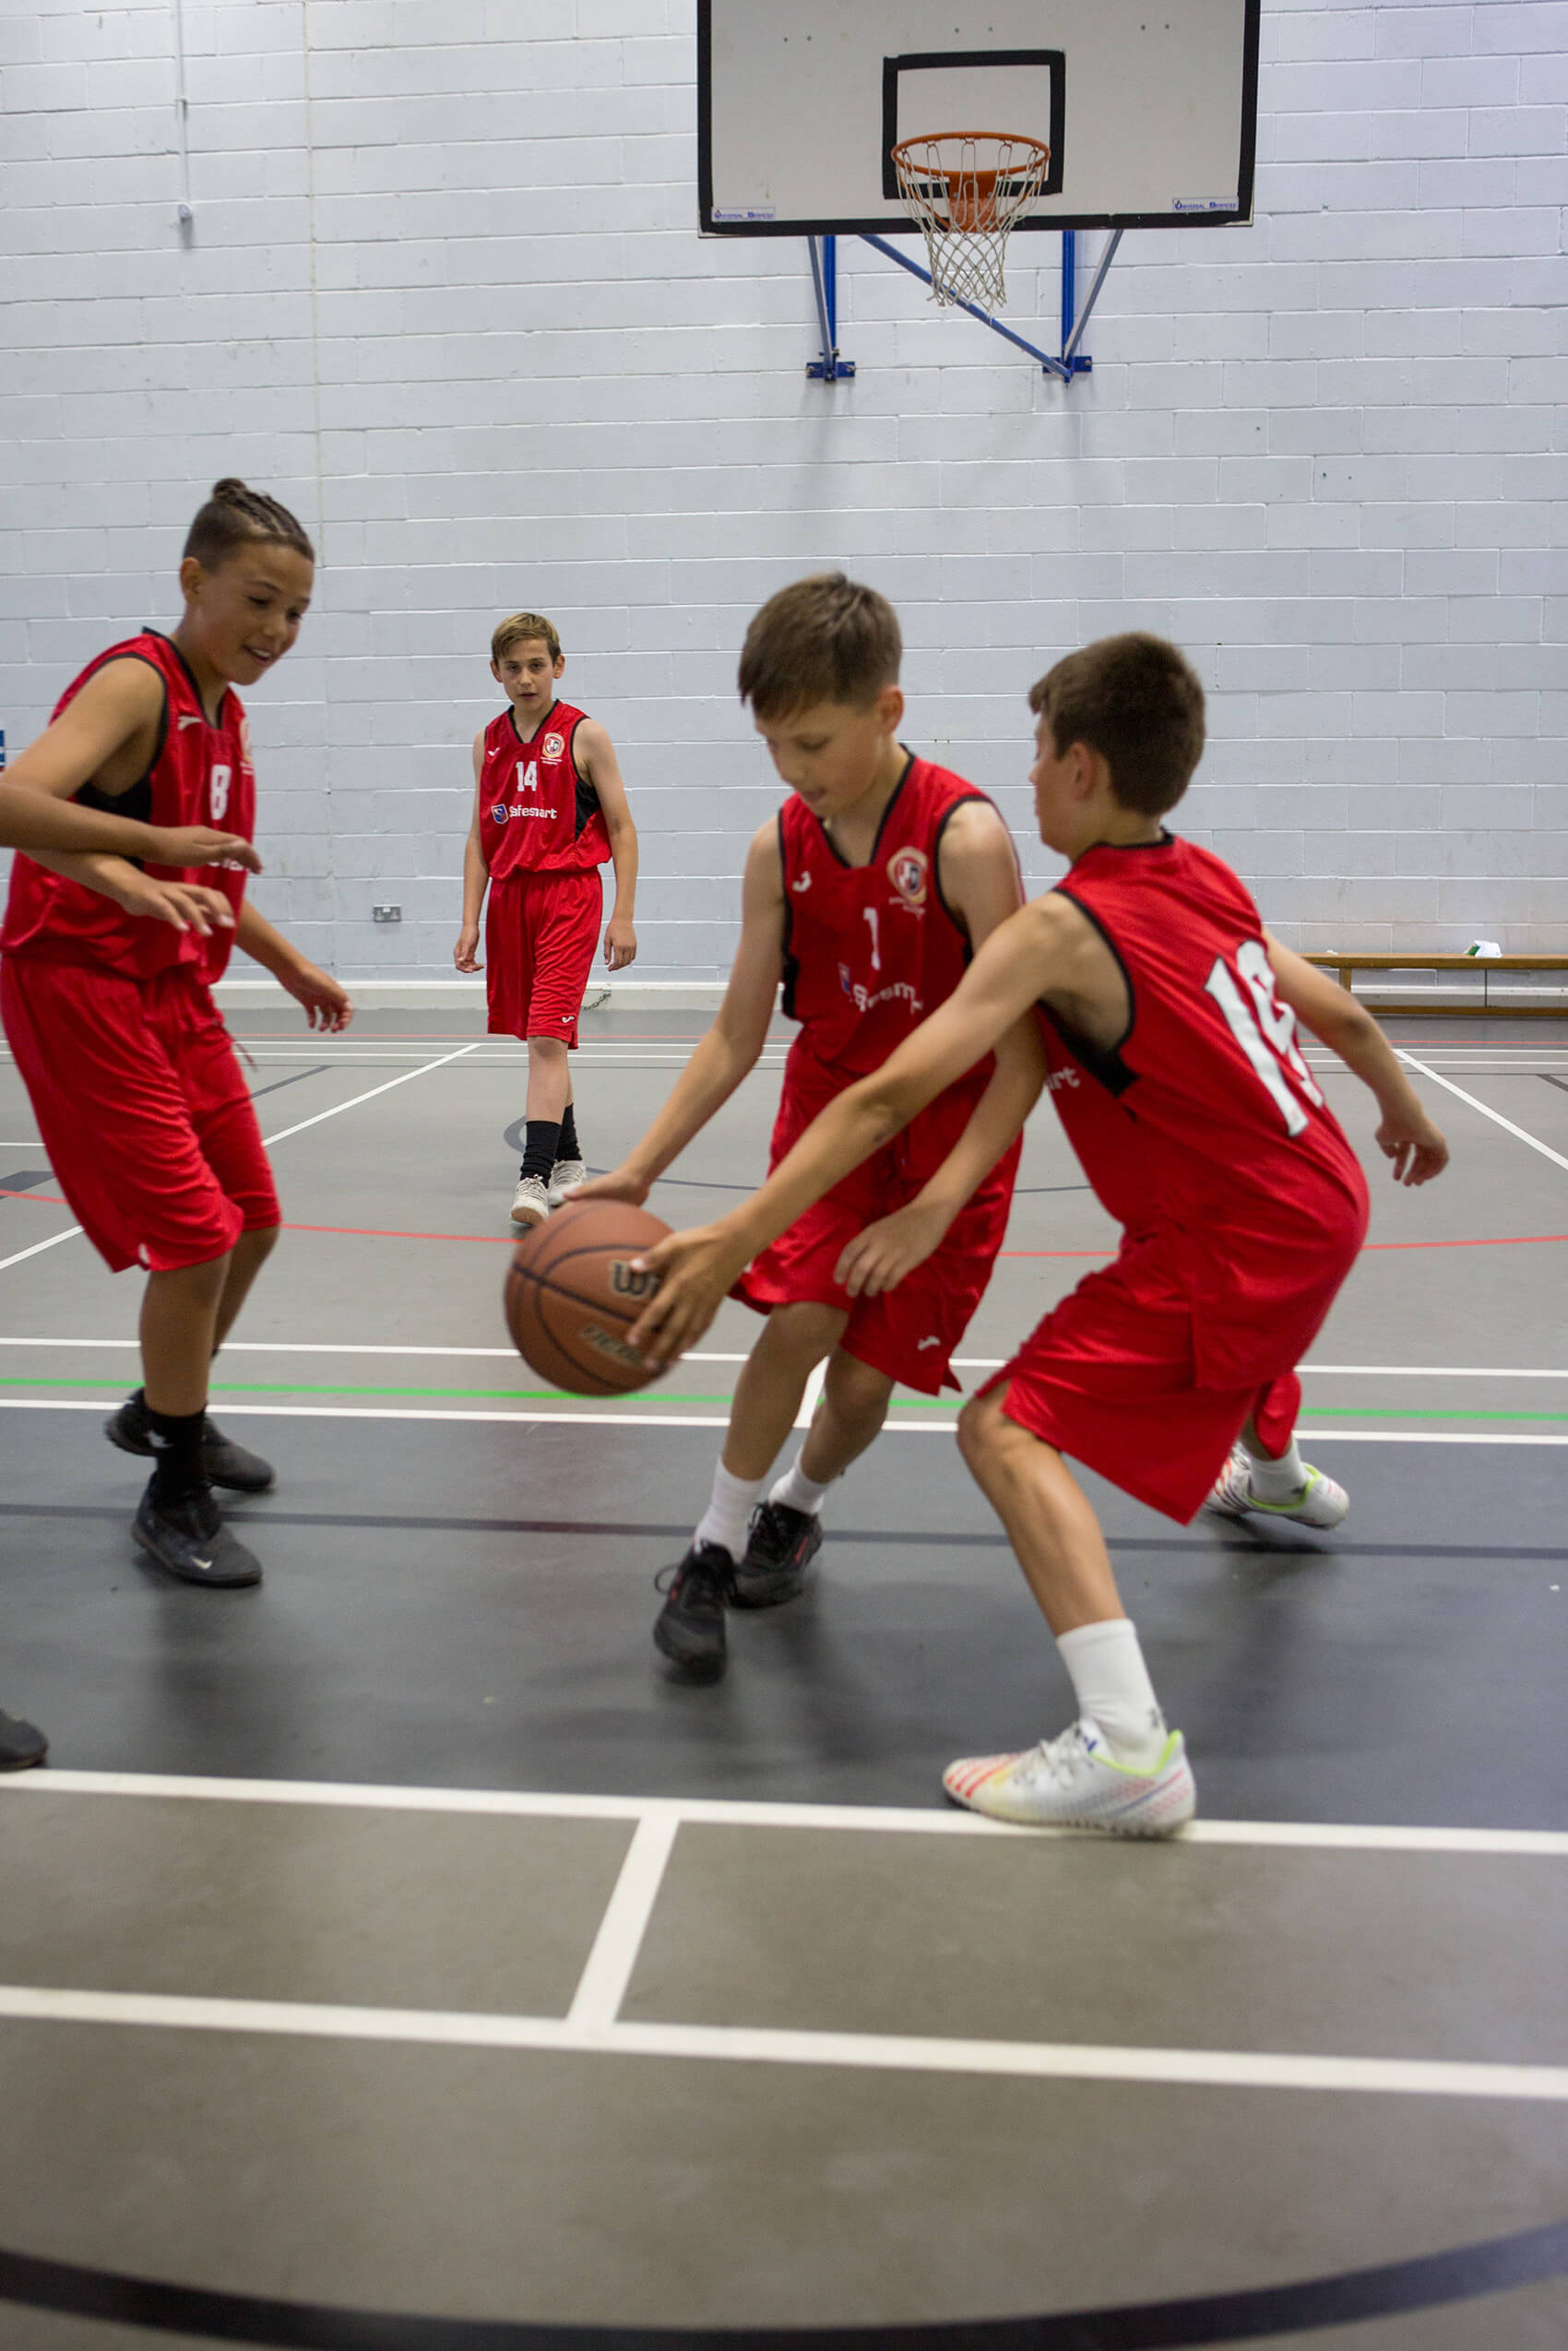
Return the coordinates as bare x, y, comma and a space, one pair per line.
386, 914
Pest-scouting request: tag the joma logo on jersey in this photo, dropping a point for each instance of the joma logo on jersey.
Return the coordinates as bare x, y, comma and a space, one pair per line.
909, 869
628, 1282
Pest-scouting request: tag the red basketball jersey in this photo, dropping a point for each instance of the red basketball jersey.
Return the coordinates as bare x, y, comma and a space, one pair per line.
536, 813
869, 950
1206, 1127
201, 774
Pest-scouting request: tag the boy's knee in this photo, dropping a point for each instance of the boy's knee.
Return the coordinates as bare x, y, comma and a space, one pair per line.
977, 1429
857, 1391
548, 1049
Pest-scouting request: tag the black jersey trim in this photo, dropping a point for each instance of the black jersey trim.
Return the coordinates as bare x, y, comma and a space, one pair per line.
791, 961
190, 679
881, 822
1102, 1063
589, 805
965, 800
136, 802
526, 742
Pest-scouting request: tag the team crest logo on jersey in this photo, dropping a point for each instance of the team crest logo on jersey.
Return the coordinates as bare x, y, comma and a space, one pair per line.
909, 869
500, 812
553, 747
846, 979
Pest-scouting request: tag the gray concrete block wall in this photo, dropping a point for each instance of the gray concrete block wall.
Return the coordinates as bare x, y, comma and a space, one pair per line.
444, 295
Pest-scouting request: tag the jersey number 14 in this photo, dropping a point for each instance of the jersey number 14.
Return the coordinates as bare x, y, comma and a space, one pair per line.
1264, 1029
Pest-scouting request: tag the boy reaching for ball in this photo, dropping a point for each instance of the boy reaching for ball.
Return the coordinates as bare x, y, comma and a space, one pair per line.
1168, 1016
866, 897
550, 807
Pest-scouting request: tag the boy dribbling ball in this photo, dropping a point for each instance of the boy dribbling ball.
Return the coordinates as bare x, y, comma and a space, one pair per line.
865, 897
550, 808
1168, 1019
139, 1098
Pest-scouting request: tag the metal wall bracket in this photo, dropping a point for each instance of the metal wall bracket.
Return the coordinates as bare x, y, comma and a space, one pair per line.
1064, 366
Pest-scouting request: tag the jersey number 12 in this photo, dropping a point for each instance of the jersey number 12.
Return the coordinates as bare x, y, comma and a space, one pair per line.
1264, 1029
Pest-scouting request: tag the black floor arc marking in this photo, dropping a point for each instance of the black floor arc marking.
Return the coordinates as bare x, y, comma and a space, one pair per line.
1467, 2272
258, 1091
514, 1141
904, 1539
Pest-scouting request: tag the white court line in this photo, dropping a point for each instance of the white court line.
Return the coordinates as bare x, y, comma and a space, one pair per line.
700, 1812
812, 1396
608, 1970
960, 1363
1496, 1117
546, 1419
267, 1141
749, 2045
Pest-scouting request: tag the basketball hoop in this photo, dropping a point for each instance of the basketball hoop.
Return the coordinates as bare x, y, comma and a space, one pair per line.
965, 190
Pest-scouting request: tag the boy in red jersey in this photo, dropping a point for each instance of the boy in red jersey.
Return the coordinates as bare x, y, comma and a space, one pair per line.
866, 897
29, 823
550, 807
139, 1098
1167, 1019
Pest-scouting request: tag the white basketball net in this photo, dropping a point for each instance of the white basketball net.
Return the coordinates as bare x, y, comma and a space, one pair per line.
965, 189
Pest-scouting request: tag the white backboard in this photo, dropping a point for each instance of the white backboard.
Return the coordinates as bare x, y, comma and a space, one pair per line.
1150, 107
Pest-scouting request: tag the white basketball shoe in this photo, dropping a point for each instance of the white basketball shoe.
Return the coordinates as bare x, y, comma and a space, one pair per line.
1320, 1501
531, 1201
1074, 1782
566, 1176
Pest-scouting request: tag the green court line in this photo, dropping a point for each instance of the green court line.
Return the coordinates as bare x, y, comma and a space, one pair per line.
654, 1395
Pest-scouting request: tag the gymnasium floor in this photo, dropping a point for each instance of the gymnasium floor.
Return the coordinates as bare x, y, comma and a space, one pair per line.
399, 1939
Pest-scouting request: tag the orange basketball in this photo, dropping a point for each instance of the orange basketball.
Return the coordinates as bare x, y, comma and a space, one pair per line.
572, 1296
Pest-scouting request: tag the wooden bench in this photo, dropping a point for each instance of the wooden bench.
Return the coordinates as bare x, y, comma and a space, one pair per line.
1507, 1007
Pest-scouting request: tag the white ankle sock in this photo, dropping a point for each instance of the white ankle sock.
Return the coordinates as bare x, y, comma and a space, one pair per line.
1111, 1682
728, 1513
1276, 1482
797, 1491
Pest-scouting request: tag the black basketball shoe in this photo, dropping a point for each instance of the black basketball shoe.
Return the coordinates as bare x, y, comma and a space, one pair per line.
22, 1744
690, 1626
191, 1541
226, 1463
779, 1548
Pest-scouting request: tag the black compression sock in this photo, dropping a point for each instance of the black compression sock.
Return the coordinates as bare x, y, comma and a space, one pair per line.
569, 1148
542, 1147
177, 1472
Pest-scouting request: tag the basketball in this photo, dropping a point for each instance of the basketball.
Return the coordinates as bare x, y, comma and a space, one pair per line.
572, 1296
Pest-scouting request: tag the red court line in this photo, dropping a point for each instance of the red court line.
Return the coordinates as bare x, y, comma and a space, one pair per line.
508, 1241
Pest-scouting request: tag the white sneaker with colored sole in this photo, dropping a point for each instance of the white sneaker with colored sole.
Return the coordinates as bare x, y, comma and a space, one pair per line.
1074, 1782
1320, 1501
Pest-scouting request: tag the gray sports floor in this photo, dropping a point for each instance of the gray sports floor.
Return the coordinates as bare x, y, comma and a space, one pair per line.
399, 1955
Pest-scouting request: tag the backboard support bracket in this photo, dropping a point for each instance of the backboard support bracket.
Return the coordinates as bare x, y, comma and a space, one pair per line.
830, 368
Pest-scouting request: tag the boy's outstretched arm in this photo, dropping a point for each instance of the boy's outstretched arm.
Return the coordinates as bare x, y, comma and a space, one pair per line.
603, 772
978, 872
731, 1047
327, 1002
1407, 1136
1035, 951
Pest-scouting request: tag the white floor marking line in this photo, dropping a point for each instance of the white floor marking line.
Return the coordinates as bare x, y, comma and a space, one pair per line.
1487, 1113
40, 1246
608, 1971
812, 1396
960, 1363
751, 2045
339, 1107
698, 1811
545, 1419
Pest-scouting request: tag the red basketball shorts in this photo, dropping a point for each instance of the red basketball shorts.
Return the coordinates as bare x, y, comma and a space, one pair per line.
909, 1332
1110, 1377
540, 933
143, 1109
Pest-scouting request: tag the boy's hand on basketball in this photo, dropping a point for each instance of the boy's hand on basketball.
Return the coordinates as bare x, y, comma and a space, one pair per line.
328, 1004
1418, 1149
185, 904
619, 1184
199, 844
620, 943
695, 1271
879, 1258
465, 955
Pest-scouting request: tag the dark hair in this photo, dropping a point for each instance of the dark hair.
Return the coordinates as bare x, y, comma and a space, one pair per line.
234, 515
1135, 700
525, 628
823, 639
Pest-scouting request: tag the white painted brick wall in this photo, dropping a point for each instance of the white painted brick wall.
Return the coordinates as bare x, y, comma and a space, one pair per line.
445, 297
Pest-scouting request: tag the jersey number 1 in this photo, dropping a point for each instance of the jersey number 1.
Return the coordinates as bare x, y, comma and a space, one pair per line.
1264, 1029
